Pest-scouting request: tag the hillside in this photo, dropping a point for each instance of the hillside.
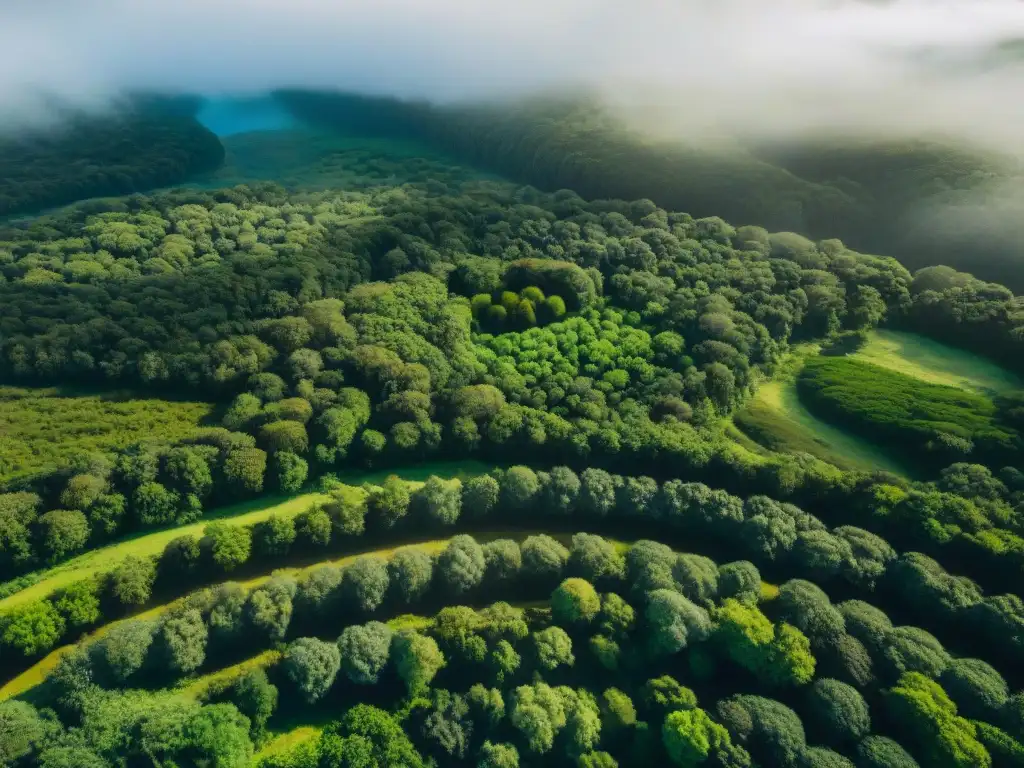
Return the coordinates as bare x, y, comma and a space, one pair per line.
422, 467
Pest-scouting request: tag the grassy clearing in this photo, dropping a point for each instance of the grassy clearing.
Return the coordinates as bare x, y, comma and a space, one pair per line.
246, 513
42, 428
922, 358
222, 678
287, 741
889, 406
777, 420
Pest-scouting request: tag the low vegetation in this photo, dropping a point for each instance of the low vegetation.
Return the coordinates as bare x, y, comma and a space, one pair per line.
937, 424
918, 356
41, 429
776, 419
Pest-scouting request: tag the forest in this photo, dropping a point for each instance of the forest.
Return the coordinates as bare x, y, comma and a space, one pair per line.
149, 143
431, 467
923, 201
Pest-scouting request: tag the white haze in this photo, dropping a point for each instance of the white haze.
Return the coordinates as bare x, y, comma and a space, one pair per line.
755, 68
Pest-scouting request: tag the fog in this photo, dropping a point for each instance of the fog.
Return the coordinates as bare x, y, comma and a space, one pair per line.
700, 68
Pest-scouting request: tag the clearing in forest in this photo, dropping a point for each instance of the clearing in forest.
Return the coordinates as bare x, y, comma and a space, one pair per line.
40, 428
149, 544
928, 360
776, 419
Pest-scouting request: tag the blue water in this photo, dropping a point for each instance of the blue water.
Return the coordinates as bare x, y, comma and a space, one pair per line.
226, 116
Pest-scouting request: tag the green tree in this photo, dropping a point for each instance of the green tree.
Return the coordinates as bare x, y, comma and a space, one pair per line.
219, 735
107, 513
595, 559
227, 614
519, 488
544, 559
493, 755
978, 689
480, 496
665, 694
617, 616
365, 651
82, 491
122, 650
582, 721
292, 471
410, 572
256, 698
313, 527
740, 580
274, 536
79, 603
692, 738
607, 652
62, 533
284, 436
131, 582
438, 502
366, 737
364, 584
389, 503
182, 638
417, 659
673, 622
317, 592
227, 546
269, 607
311, 665
503, 560
617, 710
461, 565
929, 716
839, 711
244, 469
538, 712
22, 731
503, 661
188, 471
553, 648
575, 601
155, 504
179, 560
33, 628
882, 752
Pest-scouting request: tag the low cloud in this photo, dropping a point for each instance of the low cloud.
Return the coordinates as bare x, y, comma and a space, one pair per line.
764, 69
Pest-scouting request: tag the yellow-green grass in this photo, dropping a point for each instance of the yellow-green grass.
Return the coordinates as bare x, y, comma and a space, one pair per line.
40, 428
928, 360
777, 419
287, 741
38, 672
107, 558
222, 678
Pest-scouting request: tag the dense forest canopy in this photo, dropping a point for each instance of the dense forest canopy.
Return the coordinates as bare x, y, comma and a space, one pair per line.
395, 462
143, 144
924, 201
